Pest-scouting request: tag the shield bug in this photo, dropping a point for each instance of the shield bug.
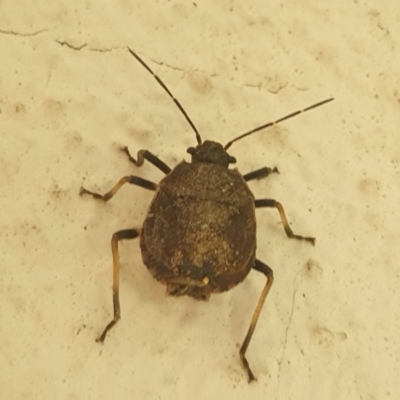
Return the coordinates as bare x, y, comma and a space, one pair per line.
199, 234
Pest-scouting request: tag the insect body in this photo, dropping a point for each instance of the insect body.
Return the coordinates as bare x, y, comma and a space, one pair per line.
199, 235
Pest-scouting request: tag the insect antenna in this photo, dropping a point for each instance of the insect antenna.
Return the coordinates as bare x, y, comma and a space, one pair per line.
162, 84
229, 144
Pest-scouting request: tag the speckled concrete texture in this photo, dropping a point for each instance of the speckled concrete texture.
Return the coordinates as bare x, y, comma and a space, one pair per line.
71, 94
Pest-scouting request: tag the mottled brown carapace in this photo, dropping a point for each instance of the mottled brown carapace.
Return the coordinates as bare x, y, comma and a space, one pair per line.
199, 235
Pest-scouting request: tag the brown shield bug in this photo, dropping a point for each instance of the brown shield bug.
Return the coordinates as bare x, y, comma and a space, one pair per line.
199, 234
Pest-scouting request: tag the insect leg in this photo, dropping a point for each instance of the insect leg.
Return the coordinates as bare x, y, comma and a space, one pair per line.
267, 271
260, 173
146, 155
272, 203
116, 237
134, 180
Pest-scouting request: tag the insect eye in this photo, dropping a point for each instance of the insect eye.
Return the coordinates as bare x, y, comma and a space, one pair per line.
232, 160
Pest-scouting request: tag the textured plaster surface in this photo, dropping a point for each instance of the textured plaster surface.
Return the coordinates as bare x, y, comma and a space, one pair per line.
71, 94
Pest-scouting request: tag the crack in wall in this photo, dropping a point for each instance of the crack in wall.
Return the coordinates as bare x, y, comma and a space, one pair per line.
77, 48
21, 34
164, 64
296, 288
